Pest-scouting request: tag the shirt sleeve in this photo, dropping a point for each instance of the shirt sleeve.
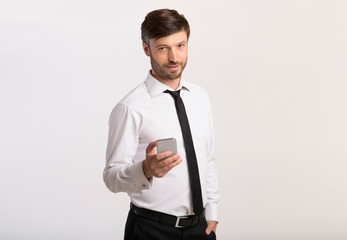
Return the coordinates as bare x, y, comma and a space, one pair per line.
121, 173
212, 192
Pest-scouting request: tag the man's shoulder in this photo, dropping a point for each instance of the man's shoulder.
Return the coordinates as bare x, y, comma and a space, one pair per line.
136, 95
196, 89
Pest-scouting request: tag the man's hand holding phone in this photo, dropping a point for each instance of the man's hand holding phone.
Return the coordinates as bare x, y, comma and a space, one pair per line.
159, 164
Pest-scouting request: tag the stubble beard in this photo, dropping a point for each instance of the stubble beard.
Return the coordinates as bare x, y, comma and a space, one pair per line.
163, 72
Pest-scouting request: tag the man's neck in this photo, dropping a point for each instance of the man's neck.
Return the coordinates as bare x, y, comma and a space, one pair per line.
171, 83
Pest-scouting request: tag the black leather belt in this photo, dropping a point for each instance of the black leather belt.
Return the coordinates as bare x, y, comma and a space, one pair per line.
179, 222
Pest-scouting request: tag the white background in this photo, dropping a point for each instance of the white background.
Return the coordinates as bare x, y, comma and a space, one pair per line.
276, 74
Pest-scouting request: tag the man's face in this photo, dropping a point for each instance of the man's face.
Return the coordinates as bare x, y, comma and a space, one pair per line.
168, 56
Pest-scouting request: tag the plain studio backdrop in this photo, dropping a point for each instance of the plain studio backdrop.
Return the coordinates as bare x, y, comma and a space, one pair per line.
276, 75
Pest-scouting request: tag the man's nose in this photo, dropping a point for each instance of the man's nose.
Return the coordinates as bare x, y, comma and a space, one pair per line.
172, 55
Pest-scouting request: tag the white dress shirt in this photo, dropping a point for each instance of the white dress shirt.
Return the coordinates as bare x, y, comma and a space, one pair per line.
147, 114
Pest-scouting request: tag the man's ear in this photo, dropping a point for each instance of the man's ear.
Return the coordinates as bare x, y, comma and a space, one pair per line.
146, 49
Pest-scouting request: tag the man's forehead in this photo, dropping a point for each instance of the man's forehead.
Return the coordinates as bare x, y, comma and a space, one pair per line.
173, 39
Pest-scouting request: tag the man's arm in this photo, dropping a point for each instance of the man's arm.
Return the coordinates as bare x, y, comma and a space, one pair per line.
212, 181
121, 174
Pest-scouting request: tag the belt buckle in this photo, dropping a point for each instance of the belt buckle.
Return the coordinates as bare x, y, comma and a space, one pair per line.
178, 222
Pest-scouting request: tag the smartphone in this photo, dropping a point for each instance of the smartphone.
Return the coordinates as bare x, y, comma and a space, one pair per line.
167, 144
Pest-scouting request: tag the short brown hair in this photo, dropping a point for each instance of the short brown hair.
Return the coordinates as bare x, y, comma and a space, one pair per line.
161, 23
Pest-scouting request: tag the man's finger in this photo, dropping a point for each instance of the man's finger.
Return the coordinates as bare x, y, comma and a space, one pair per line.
162, 155
151, 146
165, 169
174, 163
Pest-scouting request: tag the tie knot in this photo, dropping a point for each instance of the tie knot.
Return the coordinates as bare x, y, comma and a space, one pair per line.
174, 94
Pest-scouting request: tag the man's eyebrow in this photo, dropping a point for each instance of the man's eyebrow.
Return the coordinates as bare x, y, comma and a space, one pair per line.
166, 45
162, 45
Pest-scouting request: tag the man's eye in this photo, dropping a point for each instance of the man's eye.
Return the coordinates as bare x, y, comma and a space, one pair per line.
181, 45
162, 48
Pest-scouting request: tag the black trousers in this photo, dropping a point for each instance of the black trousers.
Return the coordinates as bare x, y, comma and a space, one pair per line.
139, 228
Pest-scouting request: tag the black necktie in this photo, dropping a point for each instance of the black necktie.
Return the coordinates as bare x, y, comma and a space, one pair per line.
190, 152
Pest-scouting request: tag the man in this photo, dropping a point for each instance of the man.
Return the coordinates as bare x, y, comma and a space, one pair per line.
172, 196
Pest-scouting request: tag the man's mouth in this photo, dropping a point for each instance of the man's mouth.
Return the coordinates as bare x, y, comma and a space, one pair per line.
173, 67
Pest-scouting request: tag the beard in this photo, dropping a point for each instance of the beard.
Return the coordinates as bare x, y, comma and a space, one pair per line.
164, 73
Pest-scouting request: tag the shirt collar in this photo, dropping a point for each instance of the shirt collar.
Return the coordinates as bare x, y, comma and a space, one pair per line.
155, 87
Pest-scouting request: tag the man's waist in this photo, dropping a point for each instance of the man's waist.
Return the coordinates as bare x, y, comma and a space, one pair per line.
177, 221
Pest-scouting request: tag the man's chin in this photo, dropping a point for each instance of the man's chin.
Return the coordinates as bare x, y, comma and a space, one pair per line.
174, 75
168, 75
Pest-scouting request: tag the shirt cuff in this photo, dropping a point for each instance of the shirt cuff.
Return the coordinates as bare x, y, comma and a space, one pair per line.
138, 177
211, 212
